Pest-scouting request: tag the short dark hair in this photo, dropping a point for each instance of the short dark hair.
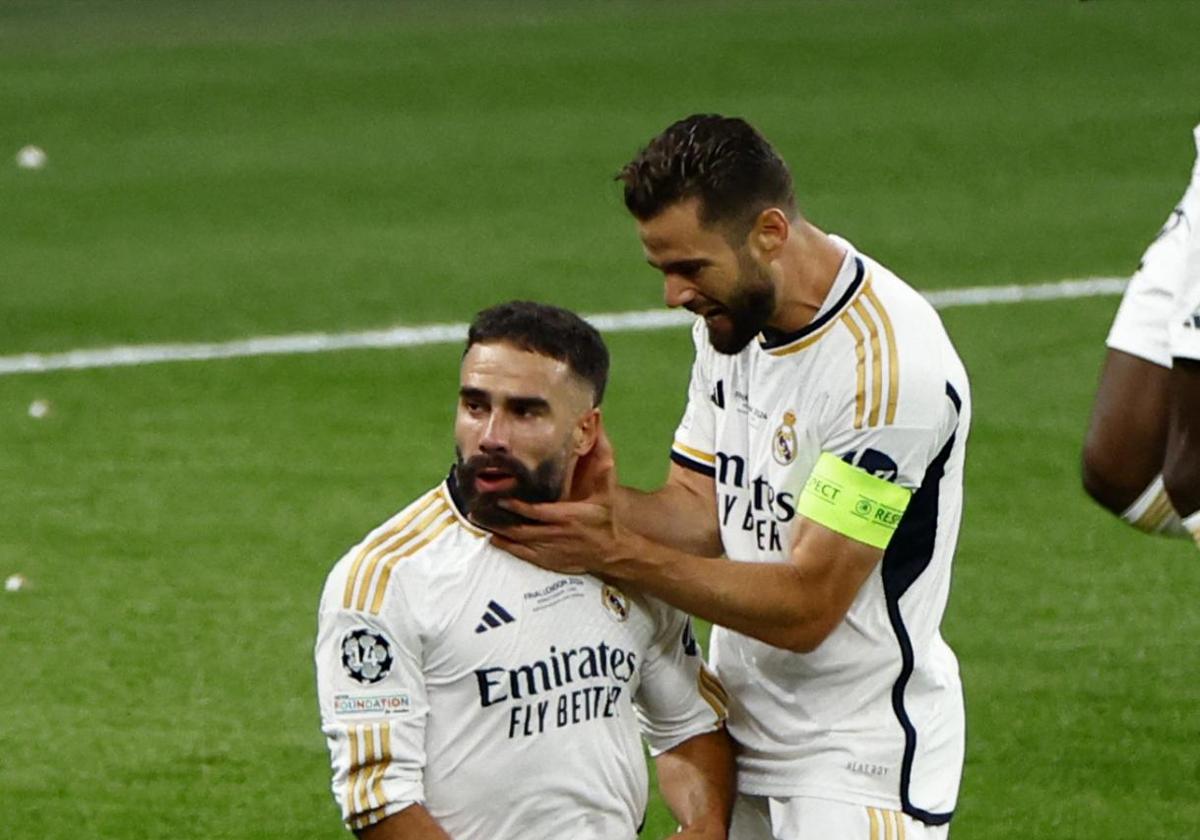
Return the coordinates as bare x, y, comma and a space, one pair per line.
723, 161
548, 331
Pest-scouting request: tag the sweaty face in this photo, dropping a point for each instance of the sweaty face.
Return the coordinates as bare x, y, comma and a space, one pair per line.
705, 274
514, 429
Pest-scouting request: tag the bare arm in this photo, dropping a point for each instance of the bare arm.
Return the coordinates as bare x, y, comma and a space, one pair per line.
697, 781
681, 514
1181, 466
413, 823
794, 604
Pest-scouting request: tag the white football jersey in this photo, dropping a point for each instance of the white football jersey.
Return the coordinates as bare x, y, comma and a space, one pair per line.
506, 698
874, 715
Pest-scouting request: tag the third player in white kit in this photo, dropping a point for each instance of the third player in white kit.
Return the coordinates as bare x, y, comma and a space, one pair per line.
1141, 459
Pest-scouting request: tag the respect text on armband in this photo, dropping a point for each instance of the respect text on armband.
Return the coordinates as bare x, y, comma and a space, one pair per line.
564, 688
752, 504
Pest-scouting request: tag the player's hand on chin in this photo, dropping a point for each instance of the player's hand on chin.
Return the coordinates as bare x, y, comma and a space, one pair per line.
577, 535
563, 536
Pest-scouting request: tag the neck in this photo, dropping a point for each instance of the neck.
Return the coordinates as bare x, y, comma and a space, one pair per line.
807, 267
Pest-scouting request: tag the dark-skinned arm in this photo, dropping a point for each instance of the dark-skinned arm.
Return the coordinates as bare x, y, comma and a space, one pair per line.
1181, 464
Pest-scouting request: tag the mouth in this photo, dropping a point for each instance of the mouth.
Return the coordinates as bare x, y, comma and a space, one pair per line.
493, 480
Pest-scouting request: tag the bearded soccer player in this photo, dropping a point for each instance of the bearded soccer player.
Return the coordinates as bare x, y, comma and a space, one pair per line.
1141, 459
813, 501
466, 694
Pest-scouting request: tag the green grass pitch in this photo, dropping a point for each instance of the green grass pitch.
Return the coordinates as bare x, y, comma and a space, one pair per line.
225, 169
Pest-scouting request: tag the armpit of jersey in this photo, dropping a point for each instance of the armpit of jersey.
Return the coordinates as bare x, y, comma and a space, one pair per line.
853, 502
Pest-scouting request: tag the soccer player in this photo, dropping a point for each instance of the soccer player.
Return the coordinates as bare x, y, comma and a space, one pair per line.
1141, 459
469, 695
813, 501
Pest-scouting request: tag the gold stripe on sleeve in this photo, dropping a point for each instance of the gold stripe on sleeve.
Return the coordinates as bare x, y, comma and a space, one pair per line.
874, 818
712, 702
430, 535
350, 806
876, 363
368, 768
714, 696
900, 824
889, 832
420, 506
695, 454
714, 685
385, 758
893, 366
438, 508
860, 351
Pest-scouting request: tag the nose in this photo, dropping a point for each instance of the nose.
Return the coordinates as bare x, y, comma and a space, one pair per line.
677, 291
495, 434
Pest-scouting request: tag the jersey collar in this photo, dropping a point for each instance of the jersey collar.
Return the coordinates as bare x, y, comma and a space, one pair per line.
846, 285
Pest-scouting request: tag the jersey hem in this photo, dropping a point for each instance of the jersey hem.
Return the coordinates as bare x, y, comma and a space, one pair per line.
890, 803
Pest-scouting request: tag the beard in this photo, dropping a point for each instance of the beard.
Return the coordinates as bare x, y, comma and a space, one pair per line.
746, 312
544, 483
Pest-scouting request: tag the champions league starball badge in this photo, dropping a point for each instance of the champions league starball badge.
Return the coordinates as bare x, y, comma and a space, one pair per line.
783, 442
366, 656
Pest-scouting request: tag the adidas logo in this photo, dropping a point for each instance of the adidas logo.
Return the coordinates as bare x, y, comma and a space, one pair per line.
493, 617
718, 394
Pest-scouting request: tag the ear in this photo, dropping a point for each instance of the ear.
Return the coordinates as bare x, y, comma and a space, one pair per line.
585, 433
771, 230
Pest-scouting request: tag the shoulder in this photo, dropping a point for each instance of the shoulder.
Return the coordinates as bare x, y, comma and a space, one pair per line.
402, 552
902, 352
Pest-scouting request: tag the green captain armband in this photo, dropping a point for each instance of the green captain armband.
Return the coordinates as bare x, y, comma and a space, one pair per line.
853, 502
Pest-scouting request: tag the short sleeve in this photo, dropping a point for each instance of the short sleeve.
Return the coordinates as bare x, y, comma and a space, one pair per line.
897, 448
373, 704
695, 441
678, 696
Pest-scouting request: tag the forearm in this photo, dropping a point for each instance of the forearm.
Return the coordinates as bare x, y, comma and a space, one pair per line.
671, 516
413, 823
773, 602
1181, 464
697, 783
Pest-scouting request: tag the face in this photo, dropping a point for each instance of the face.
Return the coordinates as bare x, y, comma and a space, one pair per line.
523, 420
705, 274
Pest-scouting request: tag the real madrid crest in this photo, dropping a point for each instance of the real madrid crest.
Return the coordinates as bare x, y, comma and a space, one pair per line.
783, 442
615, 601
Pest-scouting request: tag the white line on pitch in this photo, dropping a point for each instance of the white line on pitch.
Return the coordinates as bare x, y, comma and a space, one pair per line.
415, 336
